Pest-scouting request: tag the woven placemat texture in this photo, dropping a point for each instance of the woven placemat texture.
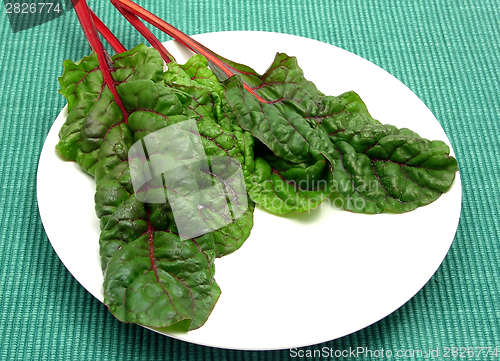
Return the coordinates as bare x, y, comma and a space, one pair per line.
447, 52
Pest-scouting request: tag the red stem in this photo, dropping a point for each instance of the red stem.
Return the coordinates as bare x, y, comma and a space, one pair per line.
107, 34
141, 28
83, 12
178, 35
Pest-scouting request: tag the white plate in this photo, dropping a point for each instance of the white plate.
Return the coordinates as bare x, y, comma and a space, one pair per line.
297, 280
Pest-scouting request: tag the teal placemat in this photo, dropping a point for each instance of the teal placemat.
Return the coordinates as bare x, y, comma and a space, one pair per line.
447, 52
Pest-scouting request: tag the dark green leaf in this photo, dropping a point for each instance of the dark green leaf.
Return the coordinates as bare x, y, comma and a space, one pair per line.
152, 275
91, 106
283, 187
382, 168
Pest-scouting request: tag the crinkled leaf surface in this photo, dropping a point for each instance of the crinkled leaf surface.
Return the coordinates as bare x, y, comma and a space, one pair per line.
152, 276
194, 73
284, 180
285, 132
81, 84
220, 136
283, 187
92, 110
184, 268
192, 92
289, 137
377, 168
382, 168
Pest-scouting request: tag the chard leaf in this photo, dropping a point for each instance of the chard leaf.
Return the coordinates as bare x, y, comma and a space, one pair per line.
282, 95
301, 153
283, 187
91, 106
194, 73
182, 267
153, 276
153, 107
287, 134
161, 106
376, 168
382, 168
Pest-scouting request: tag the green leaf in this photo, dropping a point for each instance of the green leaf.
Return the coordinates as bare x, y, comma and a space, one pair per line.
286, 133
295, 175
153, 276
81, 85
231, 237
382, 168
282, 95
81, 80
195, 73
91, 106
188, 99
376, 168
283, 187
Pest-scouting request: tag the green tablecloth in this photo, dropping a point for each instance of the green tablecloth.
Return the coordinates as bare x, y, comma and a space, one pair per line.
447, 52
